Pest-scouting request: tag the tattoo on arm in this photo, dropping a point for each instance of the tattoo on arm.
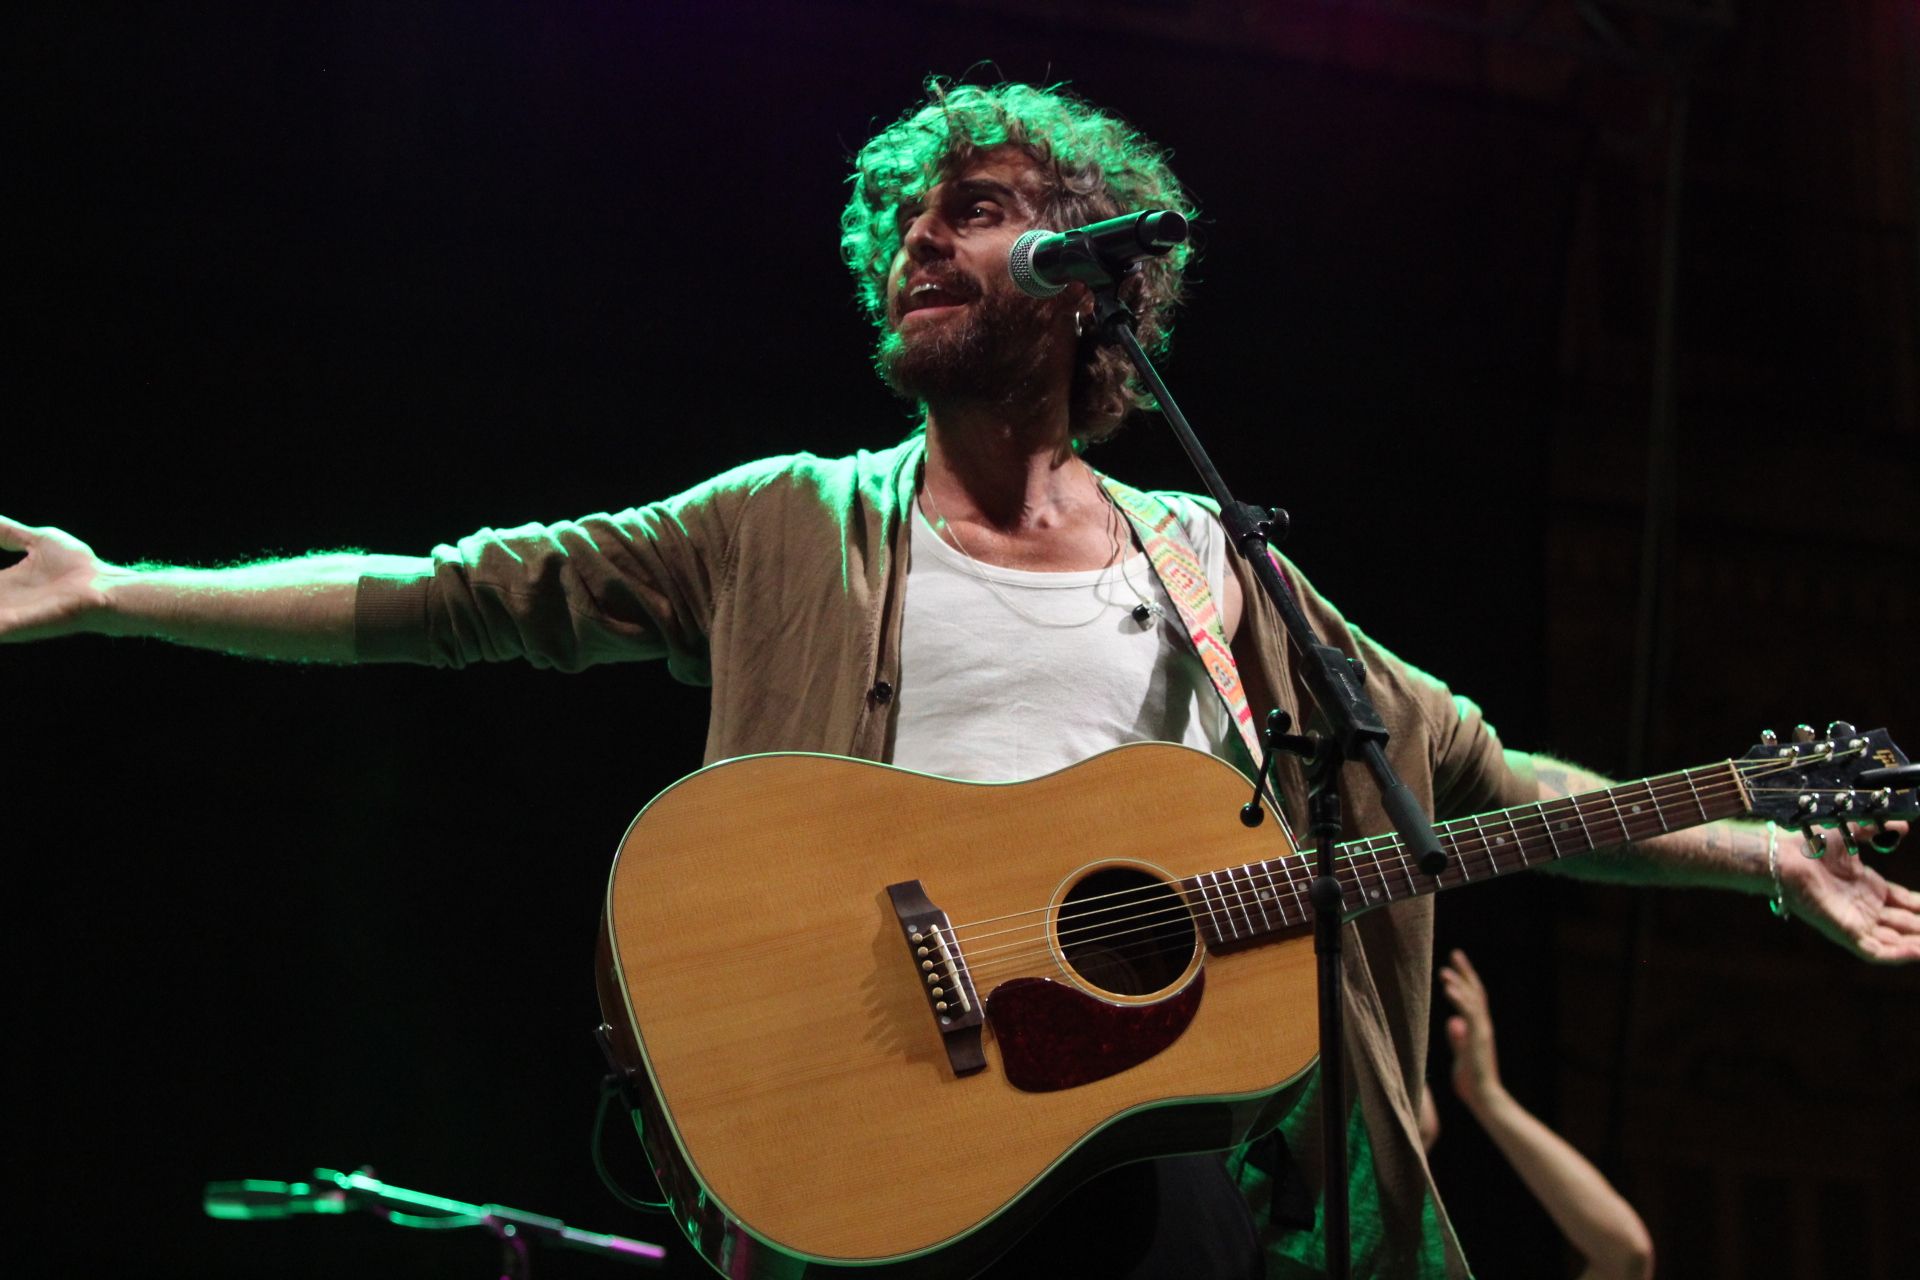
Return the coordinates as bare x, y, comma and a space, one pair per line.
1724, 854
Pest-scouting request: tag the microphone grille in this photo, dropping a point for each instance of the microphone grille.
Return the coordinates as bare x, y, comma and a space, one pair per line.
1020, 267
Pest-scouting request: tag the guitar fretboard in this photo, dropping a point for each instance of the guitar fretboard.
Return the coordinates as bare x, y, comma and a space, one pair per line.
1238, 905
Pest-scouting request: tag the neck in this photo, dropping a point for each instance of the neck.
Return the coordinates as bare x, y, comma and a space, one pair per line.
1012, 471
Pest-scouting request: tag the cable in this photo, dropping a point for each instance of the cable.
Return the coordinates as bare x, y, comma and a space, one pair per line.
610, 1086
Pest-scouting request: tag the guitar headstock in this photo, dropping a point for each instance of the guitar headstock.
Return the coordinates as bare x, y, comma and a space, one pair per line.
1843, 775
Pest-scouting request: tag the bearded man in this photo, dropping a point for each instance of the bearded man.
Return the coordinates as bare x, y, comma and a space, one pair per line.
975, 603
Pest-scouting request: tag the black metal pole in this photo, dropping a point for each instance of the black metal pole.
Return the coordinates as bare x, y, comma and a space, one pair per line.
1355, 732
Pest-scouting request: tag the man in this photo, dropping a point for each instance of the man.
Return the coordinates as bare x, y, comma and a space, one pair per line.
920, 605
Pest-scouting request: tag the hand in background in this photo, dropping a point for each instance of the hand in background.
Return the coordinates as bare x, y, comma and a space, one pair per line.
1594, 1217
1476, 1065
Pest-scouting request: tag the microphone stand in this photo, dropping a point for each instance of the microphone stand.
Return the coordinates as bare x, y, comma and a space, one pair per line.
333, 1192
1355, 732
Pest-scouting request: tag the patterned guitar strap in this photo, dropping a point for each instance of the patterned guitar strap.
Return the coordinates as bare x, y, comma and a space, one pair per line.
1289, 1200
1177, 565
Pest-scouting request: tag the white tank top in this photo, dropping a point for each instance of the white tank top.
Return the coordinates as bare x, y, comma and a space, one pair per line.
1007, 674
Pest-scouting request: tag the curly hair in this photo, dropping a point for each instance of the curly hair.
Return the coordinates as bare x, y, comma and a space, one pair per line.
1093, 165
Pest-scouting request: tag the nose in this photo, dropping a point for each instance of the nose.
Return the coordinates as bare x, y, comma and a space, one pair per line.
927, 237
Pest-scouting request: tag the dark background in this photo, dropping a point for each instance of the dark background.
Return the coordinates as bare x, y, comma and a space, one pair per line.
303, 277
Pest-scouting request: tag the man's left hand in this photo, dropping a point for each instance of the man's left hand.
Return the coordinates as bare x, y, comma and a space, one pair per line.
1844, 898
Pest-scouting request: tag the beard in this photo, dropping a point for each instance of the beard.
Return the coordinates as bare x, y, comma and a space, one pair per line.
992, 351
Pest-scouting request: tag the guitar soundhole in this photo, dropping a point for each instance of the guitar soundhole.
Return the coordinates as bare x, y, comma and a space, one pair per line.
1125, 931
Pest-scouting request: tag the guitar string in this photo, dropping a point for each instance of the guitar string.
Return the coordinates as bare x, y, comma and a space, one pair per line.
1364, 846
1365, 849
1175, 926
1244, 900
1493, 851
1468, 832
1180, 913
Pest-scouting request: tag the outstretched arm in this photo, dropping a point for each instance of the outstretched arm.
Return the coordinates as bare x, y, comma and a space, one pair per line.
1594, 1217
298, 610
1837, 893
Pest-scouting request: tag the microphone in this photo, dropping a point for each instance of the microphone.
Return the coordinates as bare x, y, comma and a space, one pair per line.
1043, 263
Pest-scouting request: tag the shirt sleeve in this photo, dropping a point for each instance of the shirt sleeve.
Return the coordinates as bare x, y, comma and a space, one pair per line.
614, 587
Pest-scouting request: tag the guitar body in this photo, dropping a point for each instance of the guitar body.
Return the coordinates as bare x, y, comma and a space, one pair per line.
875, 1019
796, 1092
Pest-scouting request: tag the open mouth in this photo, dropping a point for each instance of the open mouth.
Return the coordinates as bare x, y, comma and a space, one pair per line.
932, 295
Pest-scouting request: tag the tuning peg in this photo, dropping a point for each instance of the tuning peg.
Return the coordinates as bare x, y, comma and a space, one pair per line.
1768, 738
1816, 843
1847, 838
1840, 729
1803, 733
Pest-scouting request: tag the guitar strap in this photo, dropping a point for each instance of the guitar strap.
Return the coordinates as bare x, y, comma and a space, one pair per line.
1177, 565
1290, 1204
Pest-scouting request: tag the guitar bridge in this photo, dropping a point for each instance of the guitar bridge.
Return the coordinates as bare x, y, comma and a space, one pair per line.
942, 975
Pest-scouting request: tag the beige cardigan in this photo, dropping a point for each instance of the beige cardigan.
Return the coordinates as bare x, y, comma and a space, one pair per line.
781, 585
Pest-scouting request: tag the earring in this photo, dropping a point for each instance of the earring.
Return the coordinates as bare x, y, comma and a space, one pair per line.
1079, 324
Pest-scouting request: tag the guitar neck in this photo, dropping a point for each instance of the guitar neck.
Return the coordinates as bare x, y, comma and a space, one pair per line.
1241, 905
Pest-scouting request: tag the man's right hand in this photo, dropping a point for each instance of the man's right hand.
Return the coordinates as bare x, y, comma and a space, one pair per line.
55, 591
297, 610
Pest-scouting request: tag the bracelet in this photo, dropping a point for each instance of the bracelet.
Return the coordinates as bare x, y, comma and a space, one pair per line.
1779, 904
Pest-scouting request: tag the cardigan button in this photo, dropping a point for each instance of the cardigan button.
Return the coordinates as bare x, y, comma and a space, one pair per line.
882, 693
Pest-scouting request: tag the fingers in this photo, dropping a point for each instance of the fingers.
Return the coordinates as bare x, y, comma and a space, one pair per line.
1887, 946
1886, 836
1464, 965
13, 536
1466, 976
1901, 896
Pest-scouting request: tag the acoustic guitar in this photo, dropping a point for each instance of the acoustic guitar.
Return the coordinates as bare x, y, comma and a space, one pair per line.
873, 1019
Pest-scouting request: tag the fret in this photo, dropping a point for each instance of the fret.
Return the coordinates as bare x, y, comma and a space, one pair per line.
1697, 802
1249, 900
1513, 835
1546, 822
1636, 807
1289, 897
1386, 885
1301, 885
1223, 885
1486, 845
1580, 816
1212, 920
1259, 897
1373, 862
1518, 840
1626, 836
1660, 812
1225, 904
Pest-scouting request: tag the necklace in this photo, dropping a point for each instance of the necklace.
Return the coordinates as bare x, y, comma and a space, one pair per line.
1146, 612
